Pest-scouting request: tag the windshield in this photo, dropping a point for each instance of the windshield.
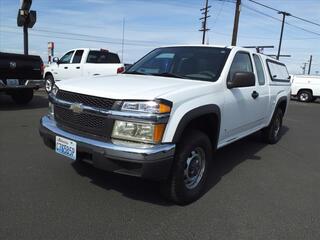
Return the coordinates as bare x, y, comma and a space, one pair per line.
197, 63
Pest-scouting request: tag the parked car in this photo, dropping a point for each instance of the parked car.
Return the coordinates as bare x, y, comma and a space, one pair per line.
305, 87
82, 62
20, 75
165, 117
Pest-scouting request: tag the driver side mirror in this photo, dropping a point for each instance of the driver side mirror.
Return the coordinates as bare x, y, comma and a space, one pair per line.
55, 60
241, 79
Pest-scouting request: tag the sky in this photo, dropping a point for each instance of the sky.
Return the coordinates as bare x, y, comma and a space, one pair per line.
152, 23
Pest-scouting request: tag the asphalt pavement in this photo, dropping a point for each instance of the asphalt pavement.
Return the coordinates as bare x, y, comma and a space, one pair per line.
255, 191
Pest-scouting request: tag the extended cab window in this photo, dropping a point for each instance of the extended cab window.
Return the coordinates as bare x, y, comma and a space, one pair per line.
77, 56
241, 63
259, 68
197, 63
66, 58
102, 57
278, 71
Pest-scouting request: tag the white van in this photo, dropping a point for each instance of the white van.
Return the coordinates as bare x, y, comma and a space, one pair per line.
305, 87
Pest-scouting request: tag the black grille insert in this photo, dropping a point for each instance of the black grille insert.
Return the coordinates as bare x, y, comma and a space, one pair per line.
87, 100
83, 122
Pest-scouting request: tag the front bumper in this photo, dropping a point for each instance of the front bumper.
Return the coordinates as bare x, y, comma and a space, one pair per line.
34, 84
150, 163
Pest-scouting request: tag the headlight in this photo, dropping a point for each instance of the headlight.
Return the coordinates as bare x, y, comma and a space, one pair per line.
138, 132
54, 90
146, 107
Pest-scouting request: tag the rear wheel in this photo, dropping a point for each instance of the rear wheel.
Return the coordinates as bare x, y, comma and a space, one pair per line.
271, 134
305, 96
49, 82
189, 172
22, 96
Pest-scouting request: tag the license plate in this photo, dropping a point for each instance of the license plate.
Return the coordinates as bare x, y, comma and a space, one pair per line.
12, 82
66, 147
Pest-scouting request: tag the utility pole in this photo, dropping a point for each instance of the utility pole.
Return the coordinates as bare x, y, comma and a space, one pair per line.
284, 14
304, 66
310, 62
236, 23
204, 28
123, 24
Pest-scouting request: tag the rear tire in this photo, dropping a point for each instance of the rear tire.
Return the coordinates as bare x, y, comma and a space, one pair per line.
189, 171
305, 96
271, 134
49, 82
22, 96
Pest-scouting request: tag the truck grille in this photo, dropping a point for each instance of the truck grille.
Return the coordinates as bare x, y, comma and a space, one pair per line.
83, 122
87, 100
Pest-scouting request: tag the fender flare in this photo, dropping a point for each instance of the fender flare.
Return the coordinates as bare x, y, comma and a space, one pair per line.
280, 100
195, 113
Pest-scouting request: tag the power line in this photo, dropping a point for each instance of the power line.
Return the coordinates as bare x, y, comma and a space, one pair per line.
277, 19
274, 9
90, 36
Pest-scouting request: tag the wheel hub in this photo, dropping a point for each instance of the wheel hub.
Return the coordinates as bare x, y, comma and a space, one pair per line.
194, 168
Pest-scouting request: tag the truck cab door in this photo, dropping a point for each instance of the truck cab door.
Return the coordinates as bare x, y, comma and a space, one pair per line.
75, 69
262, 88
241, 113
62, 71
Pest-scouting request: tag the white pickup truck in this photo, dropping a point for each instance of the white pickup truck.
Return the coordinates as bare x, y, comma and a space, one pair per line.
305, 87
164, 118
82, 62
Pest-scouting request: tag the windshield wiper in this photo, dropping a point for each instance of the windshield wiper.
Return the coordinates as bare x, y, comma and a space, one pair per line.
167, 74
135, 72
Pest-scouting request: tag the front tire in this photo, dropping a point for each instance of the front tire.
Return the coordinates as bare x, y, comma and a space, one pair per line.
305, 96
271, 134
189, 172
22, 96
49, 82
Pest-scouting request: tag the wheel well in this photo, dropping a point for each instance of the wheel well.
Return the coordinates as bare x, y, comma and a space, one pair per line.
283, 106
305, 89
208, 124
47, 74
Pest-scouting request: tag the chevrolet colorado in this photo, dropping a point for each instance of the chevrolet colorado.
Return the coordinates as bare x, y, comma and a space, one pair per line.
164, 118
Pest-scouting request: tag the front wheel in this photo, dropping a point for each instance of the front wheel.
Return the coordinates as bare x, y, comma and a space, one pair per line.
271, 134
189, 172
49, 81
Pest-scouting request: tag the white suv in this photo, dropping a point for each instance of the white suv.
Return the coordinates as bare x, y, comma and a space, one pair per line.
164, 118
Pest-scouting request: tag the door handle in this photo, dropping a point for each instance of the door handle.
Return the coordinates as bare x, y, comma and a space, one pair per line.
65, 67
96, 74
255, 94
77, 67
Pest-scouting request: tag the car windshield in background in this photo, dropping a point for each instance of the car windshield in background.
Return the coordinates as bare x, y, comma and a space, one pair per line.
197, 63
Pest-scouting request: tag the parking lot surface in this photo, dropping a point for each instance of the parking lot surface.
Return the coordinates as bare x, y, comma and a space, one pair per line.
255, 191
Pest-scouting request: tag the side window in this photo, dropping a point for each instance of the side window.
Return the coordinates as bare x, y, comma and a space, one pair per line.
241, 63
278, 71
113, 58
259, 68
66, 58
77, 56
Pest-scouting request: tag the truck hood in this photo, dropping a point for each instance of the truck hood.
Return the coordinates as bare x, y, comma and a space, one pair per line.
128, 86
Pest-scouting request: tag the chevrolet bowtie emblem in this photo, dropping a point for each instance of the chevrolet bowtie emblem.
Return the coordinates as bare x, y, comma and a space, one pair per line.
76, 107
